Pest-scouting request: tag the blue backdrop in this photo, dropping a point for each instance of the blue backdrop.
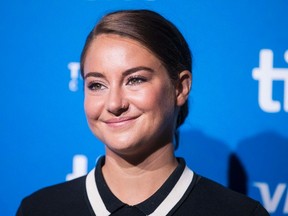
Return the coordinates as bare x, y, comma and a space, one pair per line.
237, 129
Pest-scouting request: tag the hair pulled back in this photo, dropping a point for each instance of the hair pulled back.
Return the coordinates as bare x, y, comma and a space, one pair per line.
155, 33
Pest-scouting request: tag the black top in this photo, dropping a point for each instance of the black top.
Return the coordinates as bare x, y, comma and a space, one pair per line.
183, 193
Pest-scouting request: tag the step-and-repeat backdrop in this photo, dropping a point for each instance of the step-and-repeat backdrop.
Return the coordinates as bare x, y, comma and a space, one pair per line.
237, 129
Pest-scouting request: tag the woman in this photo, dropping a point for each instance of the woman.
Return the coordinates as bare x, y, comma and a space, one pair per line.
136, 68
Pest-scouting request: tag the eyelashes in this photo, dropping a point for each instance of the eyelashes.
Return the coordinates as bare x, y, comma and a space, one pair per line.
95, 86
135, 80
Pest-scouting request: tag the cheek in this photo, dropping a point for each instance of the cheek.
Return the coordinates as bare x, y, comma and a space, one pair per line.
155, 99
91, 107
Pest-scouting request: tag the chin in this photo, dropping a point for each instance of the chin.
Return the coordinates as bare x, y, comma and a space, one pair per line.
125, 149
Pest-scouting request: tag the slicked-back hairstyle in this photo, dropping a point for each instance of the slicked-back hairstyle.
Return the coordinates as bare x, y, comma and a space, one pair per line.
155, 33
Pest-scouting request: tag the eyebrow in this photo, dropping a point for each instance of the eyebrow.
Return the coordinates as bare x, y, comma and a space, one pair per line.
124, 73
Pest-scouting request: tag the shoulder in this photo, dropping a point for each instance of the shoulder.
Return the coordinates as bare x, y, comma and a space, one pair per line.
62, 192
210, 198
68, 198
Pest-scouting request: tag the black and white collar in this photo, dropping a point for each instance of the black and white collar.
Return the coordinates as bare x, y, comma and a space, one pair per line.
104, 202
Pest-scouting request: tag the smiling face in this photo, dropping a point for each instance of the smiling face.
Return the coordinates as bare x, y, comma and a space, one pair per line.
130, 101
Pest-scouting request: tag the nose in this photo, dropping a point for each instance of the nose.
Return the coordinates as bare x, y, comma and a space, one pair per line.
116, 102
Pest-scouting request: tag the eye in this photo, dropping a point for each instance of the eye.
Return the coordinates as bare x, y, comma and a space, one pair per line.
95, 86
135, 80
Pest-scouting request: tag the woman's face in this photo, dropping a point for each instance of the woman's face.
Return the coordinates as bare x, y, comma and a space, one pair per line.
130, 102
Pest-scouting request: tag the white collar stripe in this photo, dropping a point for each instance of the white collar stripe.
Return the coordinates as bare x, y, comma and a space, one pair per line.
94, 197
176, 194
164, 208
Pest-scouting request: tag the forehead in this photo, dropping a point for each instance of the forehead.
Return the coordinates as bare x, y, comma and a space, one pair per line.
108, 41
111, 50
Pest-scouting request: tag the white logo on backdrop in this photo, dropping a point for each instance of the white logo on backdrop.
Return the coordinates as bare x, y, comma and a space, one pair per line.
79, 167
266, 74
271, 201
74, 68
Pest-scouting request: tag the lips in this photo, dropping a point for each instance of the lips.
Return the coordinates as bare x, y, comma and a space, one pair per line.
121, 121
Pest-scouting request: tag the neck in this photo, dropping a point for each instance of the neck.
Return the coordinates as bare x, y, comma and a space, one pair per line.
133, 184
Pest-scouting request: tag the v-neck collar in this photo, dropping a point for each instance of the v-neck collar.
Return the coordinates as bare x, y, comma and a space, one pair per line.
109, 203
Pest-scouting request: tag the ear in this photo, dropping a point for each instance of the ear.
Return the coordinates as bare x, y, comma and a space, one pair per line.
183, 87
